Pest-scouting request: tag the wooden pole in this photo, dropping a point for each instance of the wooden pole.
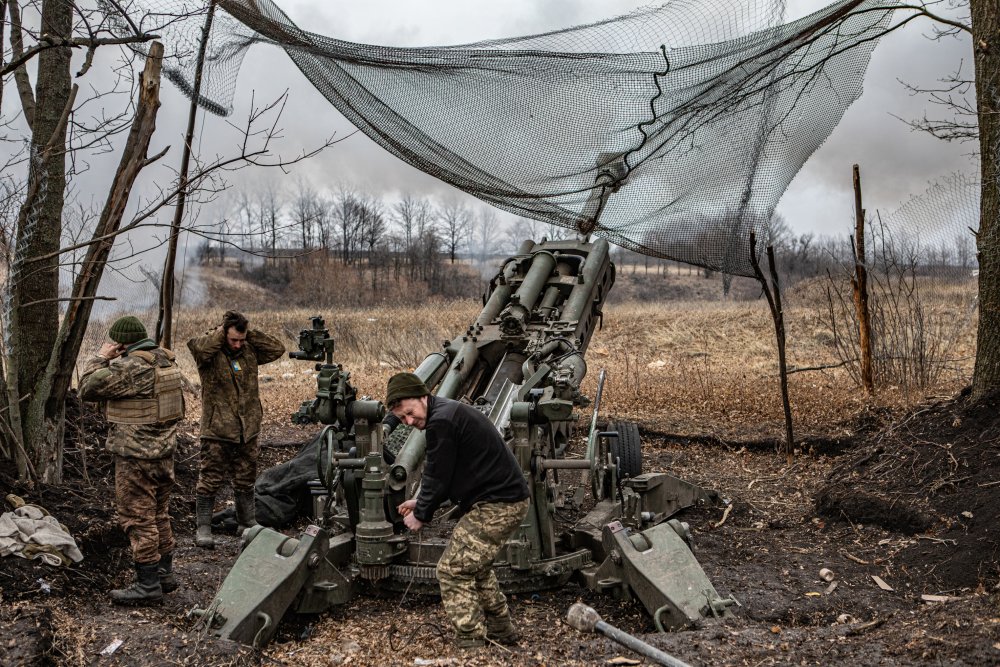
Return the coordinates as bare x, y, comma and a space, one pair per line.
164, 323
773, 294
859, 283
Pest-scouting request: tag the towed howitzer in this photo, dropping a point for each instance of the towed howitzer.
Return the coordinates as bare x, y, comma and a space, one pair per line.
522, 363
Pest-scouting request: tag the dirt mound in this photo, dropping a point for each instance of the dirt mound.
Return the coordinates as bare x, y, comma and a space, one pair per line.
935, 473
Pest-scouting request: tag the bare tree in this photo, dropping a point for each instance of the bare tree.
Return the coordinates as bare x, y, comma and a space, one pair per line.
345, 215
524, 228
456, 225
985, 26
40, 347
486, 235
373, 227
305, 212
270, 206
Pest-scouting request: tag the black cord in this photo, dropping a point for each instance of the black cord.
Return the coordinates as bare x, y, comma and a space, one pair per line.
393, 631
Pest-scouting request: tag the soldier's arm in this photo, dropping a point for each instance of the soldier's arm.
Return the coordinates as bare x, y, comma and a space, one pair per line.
266, 347
205, 347
88, 383
102, 380
439, 467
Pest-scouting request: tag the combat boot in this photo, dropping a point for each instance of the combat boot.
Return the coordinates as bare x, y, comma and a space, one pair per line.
469, 642
246, 514
165, 569
501, 630
203, 515
145, 591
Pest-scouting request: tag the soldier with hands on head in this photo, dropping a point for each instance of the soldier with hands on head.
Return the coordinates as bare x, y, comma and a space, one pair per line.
468, 463
227, 359
142, 386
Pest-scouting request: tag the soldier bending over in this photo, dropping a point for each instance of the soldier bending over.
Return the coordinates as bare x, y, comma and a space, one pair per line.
468, 463
142, 386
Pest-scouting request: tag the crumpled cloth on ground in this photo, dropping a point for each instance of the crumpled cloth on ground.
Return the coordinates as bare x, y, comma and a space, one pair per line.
30, 532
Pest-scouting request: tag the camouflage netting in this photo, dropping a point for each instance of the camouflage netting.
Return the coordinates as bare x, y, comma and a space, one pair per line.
672, 131
936, 229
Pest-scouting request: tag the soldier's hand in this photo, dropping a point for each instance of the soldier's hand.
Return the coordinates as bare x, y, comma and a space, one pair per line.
111, 350
406, 508
412, 522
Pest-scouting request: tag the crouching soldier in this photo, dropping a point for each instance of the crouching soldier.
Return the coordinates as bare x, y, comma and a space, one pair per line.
467, 462
142, 386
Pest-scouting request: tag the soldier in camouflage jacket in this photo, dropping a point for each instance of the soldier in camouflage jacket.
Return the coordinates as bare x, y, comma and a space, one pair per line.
227, 360
141, 384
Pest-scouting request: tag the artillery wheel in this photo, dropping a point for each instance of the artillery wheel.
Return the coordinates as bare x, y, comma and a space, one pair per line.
626, 449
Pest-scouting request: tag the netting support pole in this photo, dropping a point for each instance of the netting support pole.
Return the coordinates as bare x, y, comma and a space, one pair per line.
773, 294
164, 322
859, 283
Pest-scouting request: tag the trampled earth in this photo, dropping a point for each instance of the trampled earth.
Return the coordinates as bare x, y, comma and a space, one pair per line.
912, 500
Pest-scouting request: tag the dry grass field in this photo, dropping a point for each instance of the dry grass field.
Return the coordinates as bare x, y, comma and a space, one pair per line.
701, 379
705, 368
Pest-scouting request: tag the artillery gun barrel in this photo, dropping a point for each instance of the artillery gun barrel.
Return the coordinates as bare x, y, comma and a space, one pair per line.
581, 296
461, 366
586, 619
430, 370
501, 293
412, 451
527, 294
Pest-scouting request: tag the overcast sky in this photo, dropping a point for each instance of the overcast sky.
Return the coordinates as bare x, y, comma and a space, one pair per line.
895, 162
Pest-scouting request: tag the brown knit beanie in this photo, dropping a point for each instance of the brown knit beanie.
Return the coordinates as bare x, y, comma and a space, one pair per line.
404, 385
127, 330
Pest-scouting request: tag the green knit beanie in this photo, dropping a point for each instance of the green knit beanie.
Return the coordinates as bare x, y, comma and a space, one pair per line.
404, 385
127, 330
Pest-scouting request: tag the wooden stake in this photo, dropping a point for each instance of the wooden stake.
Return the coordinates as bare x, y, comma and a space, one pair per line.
860, 285
164, 323
773, 294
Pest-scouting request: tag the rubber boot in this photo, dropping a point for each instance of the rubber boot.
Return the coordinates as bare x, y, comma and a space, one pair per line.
501, 630
166, 571
145, 591
203, 510
246, 514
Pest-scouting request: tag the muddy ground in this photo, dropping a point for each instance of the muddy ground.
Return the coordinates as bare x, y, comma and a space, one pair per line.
911, 499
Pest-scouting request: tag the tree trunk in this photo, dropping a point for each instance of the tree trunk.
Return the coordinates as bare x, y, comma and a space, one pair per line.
35, 320
133, 160
986, 45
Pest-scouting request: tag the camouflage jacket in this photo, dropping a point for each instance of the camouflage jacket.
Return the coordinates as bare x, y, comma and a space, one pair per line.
230, 399
129, 377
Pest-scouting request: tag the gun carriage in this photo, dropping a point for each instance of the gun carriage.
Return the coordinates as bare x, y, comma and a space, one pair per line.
521, 362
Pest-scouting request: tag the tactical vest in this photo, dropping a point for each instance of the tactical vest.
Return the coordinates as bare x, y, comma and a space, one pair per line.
167, 402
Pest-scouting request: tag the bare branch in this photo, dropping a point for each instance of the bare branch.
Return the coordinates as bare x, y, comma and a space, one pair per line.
47, 41
923, 11
72, 298
20, 72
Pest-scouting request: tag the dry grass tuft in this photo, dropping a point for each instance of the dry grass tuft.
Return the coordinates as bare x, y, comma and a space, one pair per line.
690, 367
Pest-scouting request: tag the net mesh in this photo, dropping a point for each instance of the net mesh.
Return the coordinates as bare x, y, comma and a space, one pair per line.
671, 131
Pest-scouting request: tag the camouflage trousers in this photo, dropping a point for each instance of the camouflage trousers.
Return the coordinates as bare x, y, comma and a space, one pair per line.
222, 462
142, 500
469, 588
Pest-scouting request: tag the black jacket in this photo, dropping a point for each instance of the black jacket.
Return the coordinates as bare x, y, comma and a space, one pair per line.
466, 461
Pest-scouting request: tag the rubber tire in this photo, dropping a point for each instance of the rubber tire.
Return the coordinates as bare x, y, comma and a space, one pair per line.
626, 449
